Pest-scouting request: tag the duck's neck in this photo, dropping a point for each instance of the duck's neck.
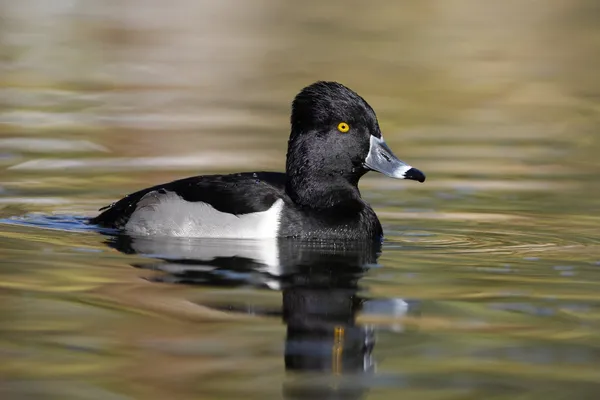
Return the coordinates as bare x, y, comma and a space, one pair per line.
314, 181
320, 191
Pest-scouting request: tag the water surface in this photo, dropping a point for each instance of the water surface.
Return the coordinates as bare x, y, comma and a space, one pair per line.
486, 286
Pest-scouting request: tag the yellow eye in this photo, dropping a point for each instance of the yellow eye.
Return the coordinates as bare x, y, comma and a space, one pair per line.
343, 127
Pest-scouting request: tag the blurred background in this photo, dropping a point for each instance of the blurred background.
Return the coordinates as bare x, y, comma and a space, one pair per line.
497, 102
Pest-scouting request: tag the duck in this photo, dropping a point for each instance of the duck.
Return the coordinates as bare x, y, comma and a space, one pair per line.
335, 139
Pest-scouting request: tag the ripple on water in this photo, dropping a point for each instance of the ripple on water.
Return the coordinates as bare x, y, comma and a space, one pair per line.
442, 239
69, 223
497, 239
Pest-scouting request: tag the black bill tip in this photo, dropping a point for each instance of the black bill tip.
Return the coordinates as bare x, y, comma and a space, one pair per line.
415, 175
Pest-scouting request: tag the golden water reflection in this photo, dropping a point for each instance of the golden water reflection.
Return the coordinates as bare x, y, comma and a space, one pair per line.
497, 254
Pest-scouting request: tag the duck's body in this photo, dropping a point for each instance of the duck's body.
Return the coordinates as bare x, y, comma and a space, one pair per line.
251, 205
335, 140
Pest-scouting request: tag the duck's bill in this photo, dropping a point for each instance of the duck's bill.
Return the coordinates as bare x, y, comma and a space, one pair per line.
381, 159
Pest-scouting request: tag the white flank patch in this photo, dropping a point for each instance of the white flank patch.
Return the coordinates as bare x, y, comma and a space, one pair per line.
169, 215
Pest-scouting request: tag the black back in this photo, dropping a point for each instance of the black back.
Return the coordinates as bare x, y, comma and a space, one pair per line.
237, 194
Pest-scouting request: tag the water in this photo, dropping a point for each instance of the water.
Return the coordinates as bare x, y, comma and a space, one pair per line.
486, 286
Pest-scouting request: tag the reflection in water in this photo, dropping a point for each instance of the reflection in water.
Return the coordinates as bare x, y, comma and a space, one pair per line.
499, 100
320, 288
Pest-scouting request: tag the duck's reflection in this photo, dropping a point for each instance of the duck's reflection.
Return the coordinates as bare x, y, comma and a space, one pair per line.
320, 290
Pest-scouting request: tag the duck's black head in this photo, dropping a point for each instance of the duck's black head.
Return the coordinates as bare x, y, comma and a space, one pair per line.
335, 139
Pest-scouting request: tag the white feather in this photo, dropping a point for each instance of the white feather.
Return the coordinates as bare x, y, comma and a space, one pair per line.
167, 214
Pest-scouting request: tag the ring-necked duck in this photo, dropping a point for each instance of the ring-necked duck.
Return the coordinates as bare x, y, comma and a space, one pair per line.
335, 139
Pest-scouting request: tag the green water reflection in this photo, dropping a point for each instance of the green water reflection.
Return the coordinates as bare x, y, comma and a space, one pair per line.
499, 251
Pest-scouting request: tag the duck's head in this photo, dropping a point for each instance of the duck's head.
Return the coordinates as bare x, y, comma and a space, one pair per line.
335, 133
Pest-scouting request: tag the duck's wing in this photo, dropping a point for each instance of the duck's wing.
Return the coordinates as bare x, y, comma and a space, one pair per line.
235, 194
